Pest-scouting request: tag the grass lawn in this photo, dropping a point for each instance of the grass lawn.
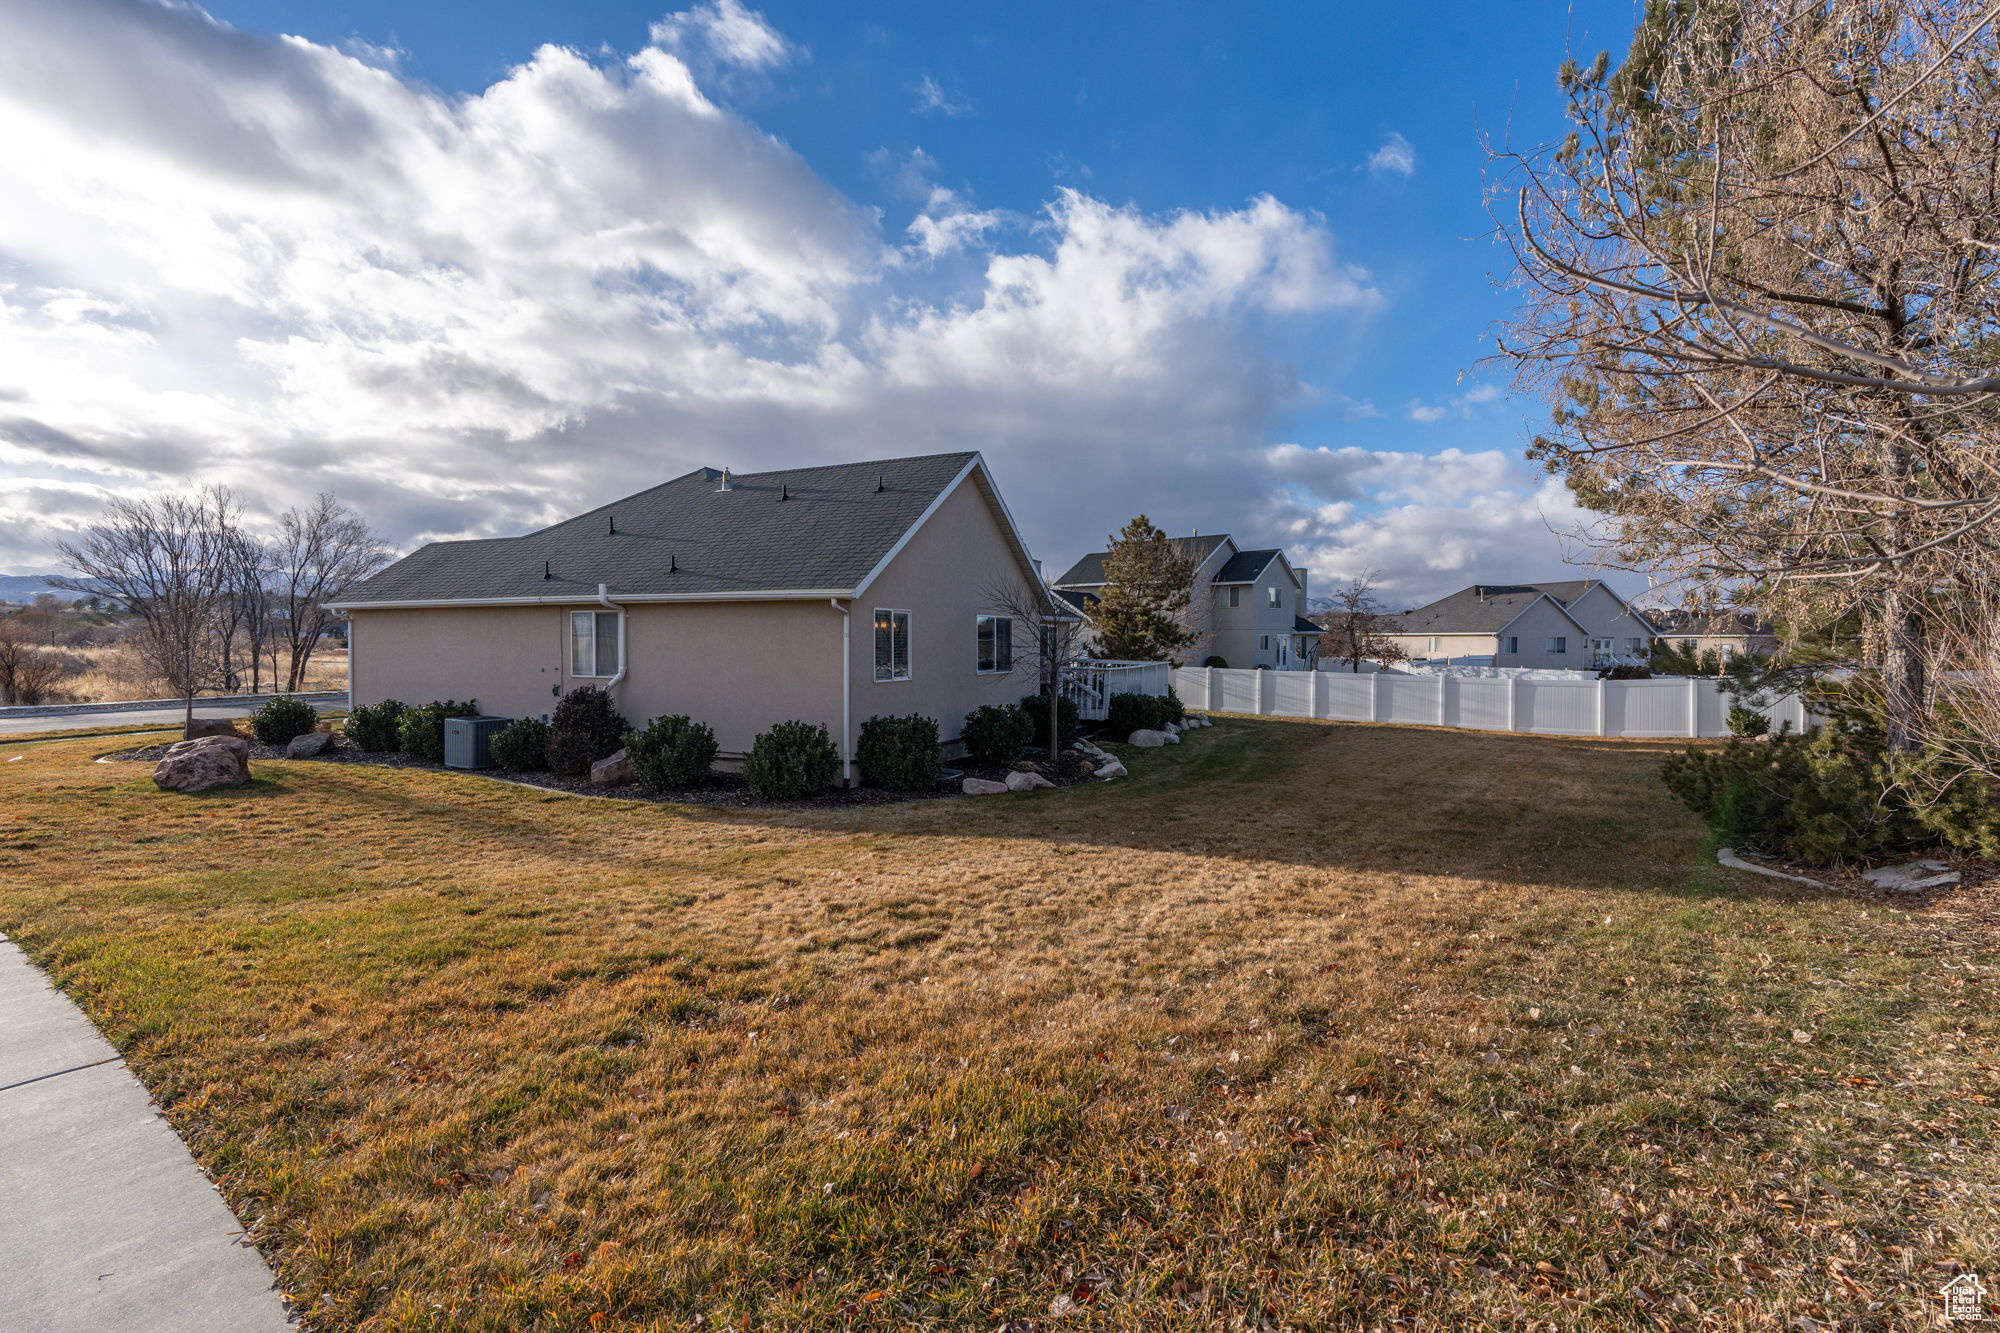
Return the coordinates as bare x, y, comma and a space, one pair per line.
1303, 1026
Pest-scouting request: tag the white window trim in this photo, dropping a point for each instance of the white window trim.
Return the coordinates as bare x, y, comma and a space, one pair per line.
979, 670
594, 673
909, 645
1556, 643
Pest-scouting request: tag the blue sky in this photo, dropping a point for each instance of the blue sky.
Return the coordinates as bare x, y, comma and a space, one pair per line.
1359, 125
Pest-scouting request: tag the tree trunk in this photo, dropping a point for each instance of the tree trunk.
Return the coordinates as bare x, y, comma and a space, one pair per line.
1904, 687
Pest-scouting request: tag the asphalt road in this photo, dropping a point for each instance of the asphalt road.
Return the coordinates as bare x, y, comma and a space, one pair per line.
29, 724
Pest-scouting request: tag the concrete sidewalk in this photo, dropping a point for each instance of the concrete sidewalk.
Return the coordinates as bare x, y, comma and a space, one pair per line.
106, 1223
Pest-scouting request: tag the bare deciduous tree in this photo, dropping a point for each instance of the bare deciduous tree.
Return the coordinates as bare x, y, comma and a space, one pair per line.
322, 549
1354, 625
1056, 645
165, 560
1764, 286
31, 671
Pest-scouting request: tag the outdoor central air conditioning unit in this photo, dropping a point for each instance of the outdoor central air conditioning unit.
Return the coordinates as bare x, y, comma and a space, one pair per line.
468, 741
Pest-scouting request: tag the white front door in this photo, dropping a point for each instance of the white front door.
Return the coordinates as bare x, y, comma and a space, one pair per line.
1601, 652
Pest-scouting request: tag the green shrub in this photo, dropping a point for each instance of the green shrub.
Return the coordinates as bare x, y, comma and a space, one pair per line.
283, 719
1127, 713
420, 731
672, 753
522, 745
791, 761
1213, 661
1747, 722
1819, 798
899, 753
585, 728
1176, 710
997, 733
1036, 706
376, 727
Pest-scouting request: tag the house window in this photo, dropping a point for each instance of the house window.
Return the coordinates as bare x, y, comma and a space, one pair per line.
594, 646
1636, 647
1277, 598
1431, 646
1557, 644
892, 644
1511, 644
1236, 596
1263, 641
1687, 645
996, 644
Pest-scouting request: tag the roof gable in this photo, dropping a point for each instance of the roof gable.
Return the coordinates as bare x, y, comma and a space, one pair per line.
803, 531
1088, 571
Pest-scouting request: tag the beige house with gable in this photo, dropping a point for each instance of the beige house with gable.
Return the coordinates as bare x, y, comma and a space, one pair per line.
1249, 606
1579, 624
825, 594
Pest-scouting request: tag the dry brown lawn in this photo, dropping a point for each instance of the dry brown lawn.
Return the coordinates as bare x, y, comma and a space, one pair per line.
1302, 1027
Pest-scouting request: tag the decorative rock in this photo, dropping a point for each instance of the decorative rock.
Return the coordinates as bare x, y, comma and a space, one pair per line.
1152, 740
204, 764
1026, 781
1197, 720
982, 787
1111, 770
614, 770
1914, 877
210, 726
309, 746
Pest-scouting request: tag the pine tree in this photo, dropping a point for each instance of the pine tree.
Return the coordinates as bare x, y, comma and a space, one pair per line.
1148, 586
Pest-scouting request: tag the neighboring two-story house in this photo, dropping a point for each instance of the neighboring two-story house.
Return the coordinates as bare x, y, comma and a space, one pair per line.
1580, 623
1724, 633
1248, 610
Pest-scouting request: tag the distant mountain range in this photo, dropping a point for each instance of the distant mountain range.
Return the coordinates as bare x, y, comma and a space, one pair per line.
23, 588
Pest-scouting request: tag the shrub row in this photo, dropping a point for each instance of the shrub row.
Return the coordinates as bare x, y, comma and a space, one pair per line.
1128, 713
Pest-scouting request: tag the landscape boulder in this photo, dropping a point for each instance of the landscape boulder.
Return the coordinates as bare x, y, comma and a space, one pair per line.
309, 746
1152, 740
983, 787
1912, 877
203, 764
210, 726
1026, 781
1109, 769
614, 770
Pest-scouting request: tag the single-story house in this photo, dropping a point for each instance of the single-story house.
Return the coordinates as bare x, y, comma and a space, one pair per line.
1579, 623
826, 594
1248, 608
1724, 633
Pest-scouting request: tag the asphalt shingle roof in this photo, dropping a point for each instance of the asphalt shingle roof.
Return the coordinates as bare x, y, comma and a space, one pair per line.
802, 529
1483, 608
1089, 571
1245, 566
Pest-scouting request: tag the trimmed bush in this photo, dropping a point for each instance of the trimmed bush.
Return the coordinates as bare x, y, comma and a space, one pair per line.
282, 720
585, 728
791, 761
996, 733
1127, 713
899, 753
1747, 721
1213, 661
376, 727
1036, 706
672, 753
1176, 710
522, 745
420, 731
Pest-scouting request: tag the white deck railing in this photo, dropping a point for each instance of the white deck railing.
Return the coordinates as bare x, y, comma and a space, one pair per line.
1090, 684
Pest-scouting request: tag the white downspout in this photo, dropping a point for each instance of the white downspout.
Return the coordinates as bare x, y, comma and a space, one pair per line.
846, 688
604, 596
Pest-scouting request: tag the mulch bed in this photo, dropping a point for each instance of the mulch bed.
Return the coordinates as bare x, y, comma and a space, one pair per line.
721, 789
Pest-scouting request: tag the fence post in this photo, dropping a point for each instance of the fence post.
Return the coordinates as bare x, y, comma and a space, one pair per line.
1443, 680
1208, 686
1513, 702
1694, 708
1257, 679
1601, 683
1375, 696
1312, 695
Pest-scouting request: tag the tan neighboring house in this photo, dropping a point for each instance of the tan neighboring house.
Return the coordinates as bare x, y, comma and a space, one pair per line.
826, 594
1580, 623
1724, 633
1249, 606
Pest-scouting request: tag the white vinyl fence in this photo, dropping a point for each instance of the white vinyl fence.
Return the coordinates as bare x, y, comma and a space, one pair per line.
1091, 684
1675, 706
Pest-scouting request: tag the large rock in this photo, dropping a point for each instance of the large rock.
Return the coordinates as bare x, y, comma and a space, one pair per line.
309, 746
204, 764
1152, 740
982, 787
614, 770
1195, 720
1913, 877
1111, 768
1026, 781
210, 726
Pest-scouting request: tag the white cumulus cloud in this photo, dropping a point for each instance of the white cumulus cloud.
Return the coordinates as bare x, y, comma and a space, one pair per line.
1397, 156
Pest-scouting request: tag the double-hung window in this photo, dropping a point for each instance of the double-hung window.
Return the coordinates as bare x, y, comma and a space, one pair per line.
892, 644
1636, 647
595, 648
1511, 645
1277, 598
996, 644
1557, 643
1431, 644
1236, 596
